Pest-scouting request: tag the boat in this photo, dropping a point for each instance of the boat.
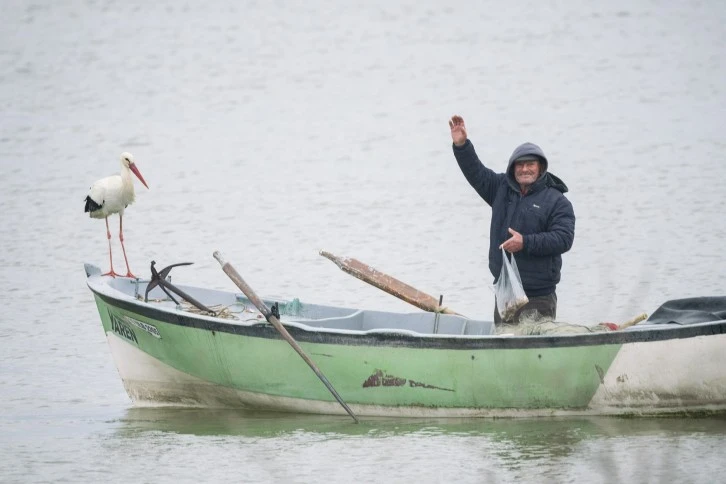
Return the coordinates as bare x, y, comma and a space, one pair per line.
227, 354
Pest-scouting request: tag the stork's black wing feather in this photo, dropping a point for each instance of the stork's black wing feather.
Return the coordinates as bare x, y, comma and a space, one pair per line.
91, 205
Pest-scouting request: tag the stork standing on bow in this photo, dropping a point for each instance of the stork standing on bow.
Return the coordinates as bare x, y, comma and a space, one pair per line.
112, 195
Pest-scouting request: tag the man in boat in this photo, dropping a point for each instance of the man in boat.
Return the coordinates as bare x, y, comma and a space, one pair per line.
531, 218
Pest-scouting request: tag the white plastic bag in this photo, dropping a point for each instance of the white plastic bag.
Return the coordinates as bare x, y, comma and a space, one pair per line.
508, 290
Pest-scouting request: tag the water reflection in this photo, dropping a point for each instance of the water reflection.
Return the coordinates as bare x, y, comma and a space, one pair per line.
556, 435
588, 449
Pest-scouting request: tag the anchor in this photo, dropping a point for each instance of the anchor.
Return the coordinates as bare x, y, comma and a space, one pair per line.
159, 279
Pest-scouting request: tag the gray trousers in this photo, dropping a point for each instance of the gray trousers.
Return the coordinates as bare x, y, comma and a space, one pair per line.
539, 307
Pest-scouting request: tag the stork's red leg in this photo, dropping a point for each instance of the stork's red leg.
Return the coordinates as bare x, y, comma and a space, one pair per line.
110, 256
121, 238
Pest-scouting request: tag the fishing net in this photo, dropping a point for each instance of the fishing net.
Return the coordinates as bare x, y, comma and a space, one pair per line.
535, 325
532, 328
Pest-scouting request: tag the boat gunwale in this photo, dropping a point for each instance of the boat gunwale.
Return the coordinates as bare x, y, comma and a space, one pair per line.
405, 338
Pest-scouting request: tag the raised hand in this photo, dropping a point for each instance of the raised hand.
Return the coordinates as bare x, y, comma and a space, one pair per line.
458, 130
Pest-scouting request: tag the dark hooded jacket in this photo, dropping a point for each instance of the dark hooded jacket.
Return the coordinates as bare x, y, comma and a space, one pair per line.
543, 216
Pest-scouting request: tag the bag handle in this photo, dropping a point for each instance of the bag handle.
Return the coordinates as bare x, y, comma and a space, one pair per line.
505, 259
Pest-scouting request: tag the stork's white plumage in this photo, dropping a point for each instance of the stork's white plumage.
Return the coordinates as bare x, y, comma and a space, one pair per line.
112, 195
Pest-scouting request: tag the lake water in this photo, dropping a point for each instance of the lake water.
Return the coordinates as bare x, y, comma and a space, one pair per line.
271, 130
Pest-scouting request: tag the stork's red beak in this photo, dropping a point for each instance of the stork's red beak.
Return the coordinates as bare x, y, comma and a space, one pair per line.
138, 174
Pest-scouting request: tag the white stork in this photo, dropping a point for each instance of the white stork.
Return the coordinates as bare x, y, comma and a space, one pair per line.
112, 195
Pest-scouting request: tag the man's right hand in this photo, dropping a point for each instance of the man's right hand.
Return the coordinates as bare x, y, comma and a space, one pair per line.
458, 130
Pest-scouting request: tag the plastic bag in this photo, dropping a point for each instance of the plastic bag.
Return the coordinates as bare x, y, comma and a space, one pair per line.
508, 290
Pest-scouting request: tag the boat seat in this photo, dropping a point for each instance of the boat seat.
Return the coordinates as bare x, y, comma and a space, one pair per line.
449, 324
474, 328
352, 322
418, 322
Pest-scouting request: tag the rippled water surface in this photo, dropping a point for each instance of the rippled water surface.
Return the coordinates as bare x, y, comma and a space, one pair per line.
270, 131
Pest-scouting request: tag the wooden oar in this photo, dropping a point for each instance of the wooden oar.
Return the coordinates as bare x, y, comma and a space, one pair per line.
387, 283
262, 307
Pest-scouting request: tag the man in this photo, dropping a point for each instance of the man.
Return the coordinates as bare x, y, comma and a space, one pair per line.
530, 218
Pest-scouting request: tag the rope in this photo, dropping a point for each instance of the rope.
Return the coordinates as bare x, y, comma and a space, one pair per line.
221, 311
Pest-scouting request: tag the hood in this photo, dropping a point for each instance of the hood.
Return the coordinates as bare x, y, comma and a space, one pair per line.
555, 182
526, 149
546, 178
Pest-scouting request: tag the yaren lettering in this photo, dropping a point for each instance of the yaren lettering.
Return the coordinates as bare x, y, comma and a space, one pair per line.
120, 328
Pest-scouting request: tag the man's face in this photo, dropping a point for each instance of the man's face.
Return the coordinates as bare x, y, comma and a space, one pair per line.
526, 172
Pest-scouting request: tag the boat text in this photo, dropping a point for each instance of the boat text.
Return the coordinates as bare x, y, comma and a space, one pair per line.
143, 326
120, 328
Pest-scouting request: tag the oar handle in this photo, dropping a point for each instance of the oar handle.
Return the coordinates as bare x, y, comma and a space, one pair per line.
633, 321
262, 307
244, 287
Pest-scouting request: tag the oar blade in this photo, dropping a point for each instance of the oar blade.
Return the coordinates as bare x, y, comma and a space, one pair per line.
387, 283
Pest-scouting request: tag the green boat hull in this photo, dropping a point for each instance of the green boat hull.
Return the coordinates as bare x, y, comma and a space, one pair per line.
177, 358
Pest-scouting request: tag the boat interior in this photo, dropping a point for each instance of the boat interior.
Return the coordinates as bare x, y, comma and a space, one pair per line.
236, 308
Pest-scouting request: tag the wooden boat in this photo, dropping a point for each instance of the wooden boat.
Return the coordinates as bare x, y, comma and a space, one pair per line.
389, 364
